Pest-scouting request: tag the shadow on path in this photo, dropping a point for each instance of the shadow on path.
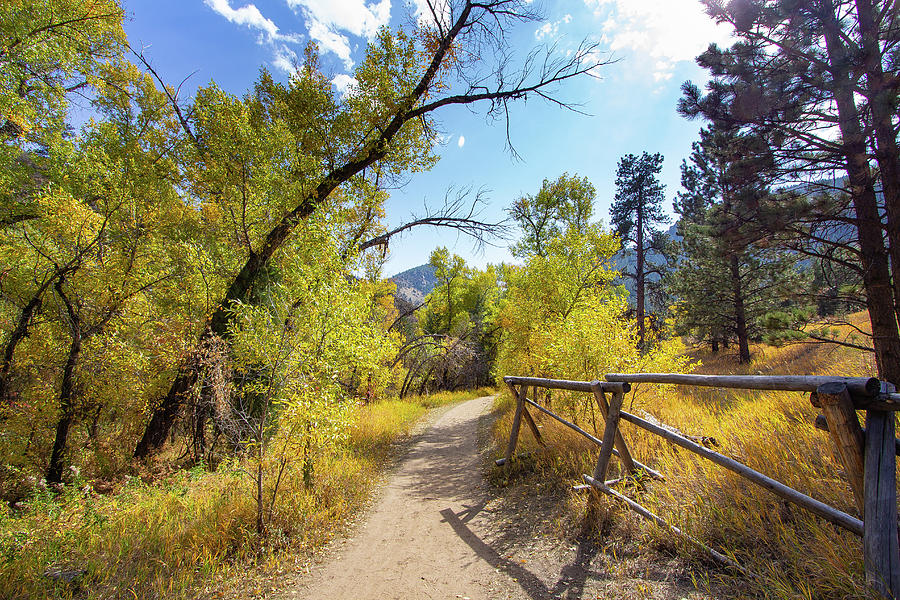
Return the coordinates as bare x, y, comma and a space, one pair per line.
572, 576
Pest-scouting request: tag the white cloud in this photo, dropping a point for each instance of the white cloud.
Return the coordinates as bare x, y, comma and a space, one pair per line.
666, 32
331, 41
328, 20
251, 17
427, 11
549, 29
353, 16
462, 141
344, 83
546, 30
283, 57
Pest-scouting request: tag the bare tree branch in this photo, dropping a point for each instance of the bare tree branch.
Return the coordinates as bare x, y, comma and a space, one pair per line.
455, 214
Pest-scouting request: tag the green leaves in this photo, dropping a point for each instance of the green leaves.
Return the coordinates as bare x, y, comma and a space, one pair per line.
47, 50
561, 205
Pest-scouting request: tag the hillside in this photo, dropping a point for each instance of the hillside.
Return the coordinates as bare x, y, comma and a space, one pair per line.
416, 283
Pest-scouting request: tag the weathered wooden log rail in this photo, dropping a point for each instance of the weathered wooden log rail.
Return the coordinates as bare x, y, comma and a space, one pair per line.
867, 455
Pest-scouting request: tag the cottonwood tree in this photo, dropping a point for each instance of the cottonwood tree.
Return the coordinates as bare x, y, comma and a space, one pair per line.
448, 270
568, 201
798, 78
636, 213
382, 128
563, 316
89, 260
455, 342
282, 379
48, 52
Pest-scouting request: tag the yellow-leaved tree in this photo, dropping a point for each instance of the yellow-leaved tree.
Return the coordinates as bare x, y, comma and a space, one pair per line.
563, 316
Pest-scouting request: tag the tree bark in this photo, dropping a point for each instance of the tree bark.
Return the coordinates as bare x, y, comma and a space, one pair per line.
21, 331
18, 334
873, 254
882, 97
164, 416
67, 408
740, 314
639, 277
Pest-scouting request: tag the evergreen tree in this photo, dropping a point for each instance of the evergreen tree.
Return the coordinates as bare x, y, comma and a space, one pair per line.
726, 281
800, 72
636, 212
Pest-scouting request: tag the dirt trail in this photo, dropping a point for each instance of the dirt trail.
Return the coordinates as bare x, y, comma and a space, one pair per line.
421, 539
437, 531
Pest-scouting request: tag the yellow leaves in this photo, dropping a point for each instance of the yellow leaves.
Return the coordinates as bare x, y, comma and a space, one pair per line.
66, 218
46, 47
564, 319
212, 214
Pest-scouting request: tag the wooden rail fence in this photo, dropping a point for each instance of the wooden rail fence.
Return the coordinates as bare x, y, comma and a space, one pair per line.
867, 455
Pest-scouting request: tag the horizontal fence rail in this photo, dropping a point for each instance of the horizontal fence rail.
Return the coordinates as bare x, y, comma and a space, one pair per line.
572, 386
838, 397
788, 493
652, 472
861, 386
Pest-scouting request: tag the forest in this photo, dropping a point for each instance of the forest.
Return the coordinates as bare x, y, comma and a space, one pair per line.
196, 324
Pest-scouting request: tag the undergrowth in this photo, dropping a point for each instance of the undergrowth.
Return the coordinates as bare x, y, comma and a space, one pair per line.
170, 536
793, 553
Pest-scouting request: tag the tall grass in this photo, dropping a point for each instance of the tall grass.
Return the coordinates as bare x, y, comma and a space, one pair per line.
795, 554
195, 528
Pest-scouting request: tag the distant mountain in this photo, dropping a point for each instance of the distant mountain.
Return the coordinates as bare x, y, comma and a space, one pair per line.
626, 260
416, 283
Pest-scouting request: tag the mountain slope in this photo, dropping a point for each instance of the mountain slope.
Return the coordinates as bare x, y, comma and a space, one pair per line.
416, 283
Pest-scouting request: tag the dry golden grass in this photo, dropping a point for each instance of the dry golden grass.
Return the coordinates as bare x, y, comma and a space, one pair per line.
196, 529
795, 554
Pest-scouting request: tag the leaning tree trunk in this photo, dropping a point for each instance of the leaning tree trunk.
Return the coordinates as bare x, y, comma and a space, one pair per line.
165, 414
21, 331
882, 96
15, 337
873, 254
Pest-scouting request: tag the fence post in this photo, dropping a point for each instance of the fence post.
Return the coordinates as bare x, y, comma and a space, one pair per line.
517, 422
880, 544
847, 435
531, 424
609, 436
624, 453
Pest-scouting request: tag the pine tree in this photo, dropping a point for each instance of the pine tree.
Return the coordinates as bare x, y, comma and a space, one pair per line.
636, 212
725, 280
799, 73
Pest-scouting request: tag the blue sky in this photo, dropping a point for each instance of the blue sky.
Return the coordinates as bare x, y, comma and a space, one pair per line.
631, 106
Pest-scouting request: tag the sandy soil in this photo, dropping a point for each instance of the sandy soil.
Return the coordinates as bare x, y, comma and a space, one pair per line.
421, 538
437, 530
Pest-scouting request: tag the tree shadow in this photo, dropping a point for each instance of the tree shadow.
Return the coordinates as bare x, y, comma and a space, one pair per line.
572, 577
